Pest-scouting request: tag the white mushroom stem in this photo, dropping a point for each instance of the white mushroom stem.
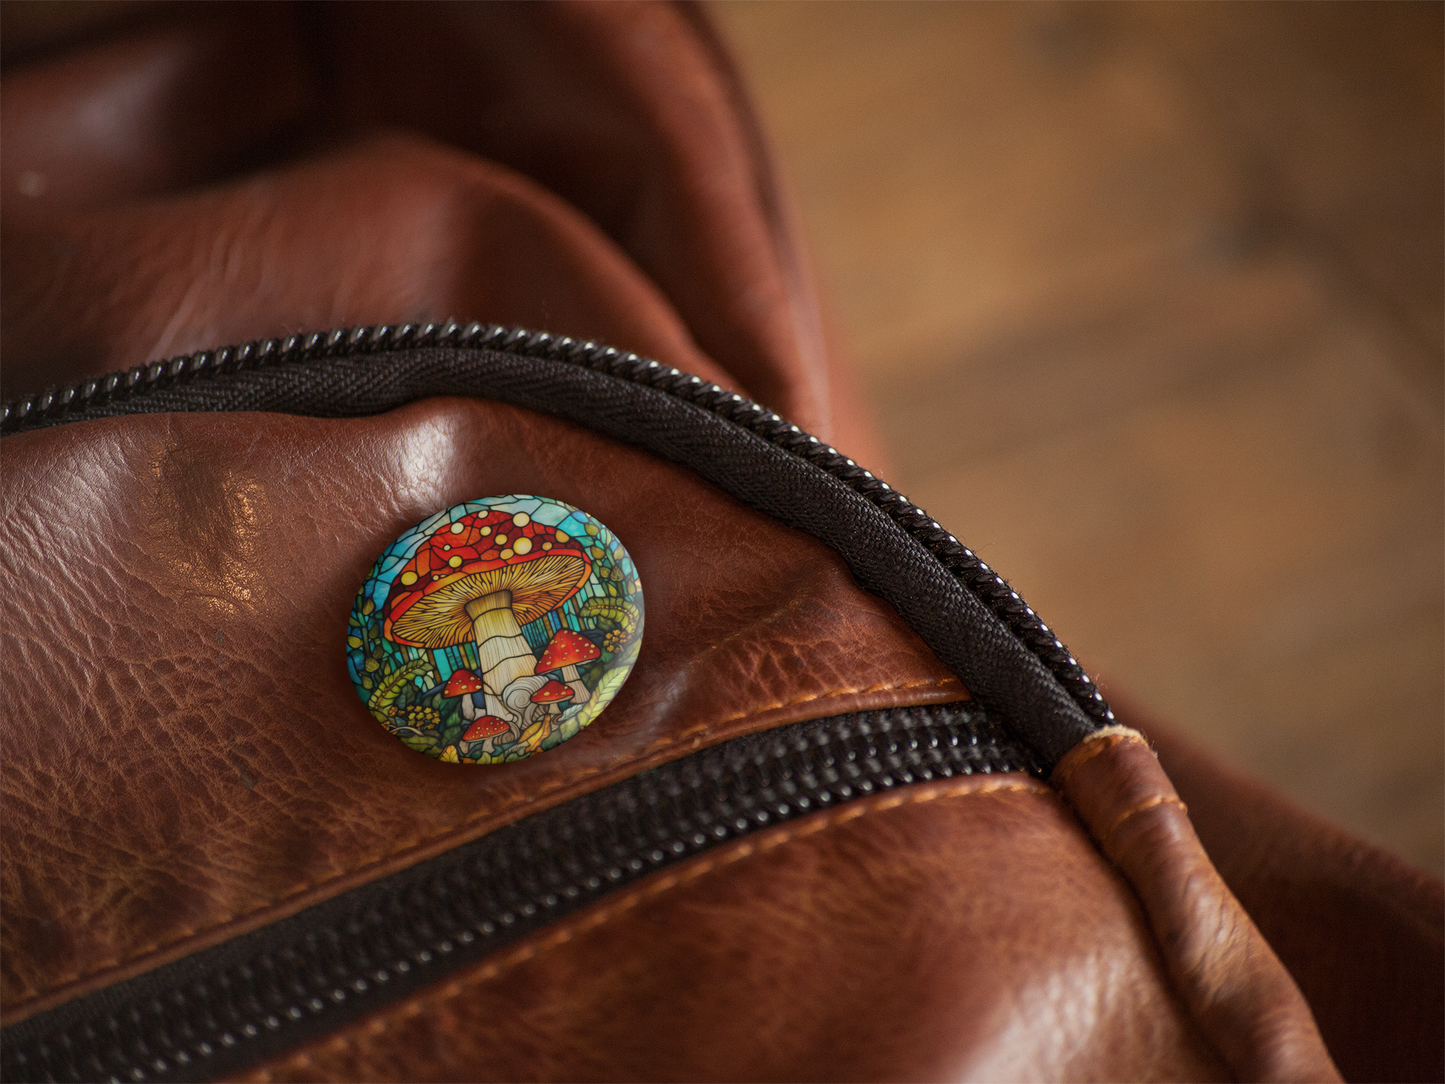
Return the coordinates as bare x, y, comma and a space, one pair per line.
573, 679
470, 711
504, 652
494, 704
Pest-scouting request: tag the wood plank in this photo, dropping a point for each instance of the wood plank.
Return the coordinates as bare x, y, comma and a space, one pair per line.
1148, 298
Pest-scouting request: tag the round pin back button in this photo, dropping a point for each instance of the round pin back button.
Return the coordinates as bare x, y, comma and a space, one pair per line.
496, 629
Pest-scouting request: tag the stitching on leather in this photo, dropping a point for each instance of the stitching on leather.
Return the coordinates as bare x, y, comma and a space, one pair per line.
1091, 746
423, 1002
1147, 803
373, 860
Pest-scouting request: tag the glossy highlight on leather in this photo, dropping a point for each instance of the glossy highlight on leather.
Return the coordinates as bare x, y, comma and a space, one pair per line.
495, 629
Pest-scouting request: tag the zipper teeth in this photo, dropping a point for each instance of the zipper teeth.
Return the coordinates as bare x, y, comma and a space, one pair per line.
477, 899
988, 586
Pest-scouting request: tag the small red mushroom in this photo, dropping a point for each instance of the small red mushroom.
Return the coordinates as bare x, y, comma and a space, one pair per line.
464, 683
518, 697
551, 695
485, 730
566, 652
547, 698
461, 683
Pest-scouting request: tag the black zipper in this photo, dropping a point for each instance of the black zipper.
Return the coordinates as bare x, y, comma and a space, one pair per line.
123, 392
260, 994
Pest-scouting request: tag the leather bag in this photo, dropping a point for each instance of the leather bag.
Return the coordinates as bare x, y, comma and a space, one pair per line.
857, 813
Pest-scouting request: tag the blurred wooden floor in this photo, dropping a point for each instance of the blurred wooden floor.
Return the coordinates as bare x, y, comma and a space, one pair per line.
1149, 300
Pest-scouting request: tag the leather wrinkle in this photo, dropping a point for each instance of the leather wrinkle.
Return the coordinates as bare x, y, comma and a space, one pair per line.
598, 916
242, 267
659, 90
681, 183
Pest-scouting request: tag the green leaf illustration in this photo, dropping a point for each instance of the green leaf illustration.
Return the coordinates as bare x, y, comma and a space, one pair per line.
391, 686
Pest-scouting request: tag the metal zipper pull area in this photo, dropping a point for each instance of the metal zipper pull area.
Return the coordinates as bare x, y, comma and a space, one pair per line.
260, 994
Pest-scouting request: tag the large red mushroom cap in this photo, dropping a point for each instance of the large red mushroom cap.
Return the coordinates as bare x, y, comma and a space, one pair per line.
462, 682
551, 692
567, 648
478, 555
488, 726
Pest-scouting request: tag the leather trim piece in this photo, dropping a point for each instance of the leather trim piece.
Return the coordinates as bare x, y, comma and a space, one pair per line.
1362, 932
1235, 986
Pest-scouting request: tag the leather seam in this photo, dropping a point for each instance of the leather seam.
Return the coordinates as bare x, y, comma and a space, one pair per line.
375, 860
1146, 804
587, 923
1089, 747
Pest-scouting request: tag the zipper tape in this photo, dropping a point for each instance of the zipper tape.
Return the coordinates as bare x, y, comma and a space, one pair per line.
964, 611
265, 992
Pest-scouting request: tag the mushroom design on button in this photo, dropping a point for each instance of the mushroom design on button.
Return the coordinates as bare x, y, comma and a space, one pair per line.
481, 578
550, 696
463, 683
566, 652
484, 730
518, 697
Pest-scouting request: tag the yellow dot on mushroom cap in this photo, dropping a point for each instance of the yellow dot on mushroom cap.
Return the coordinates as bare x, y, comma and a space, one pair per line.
507, 555
408, 578
501, 540
521, 519
522, 545
563, 536
486, 530
455, 562
458, 528
546, 545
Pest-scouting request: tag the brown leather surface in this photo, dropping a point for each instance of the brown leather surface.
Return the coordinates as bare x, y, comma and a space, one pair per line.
216, 173
1362, 932
185, 757
1234, 985
956, 958
448, 235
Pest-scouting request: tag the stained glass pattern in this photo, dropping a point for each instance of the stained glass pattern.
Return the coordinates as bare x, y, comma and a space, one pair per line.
496, 629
